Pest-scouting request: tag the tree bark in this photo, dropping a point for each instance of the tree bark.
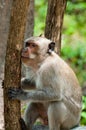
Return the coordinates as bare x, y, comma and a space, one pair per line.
13, 62
5, 7
54, 21
29, 29
30, 21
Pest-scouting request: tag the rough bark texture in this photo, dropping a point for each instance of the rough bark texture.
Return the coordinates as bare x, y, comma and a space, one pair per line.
5, 7
29, 27
13, 63
54, 21
30, 21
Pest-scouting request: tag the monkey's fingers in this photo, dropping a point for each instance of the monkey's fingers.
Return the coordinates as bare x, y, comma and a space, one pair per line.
13, 93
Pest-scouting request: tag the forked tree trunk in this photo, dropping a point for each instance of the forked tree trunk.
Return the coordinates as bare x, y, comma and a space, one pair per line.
13, 62
54, 20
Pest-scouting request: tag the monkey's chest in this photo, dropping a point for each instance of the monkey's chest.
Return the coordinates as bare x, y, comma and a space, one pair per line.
39, 84
38, 80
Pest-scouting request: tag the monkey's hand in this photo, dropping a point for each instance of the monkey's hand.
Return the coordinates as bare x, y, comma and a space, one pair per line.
14, 93
27, 83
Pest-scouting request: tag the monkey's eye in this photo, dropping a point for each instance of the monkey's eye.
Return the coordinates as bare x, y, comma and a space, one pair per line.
27, 44
33, 45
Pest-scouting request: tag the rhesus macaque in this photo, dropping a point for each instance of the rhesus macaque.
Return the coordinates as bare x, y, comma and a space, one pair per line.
54, 88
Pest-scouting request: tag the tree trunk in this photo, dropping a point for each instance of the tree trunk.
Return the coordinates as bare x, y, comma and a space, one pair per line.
54, 21
13, 62
5, 7
30, 21
29, 28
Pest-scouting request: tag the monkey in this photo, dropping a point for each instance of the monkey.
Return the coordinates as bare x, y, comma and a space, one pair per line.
54, 90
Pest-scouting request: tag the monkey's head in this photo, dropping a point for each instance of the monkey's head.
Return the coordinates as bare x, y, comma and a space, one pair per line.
36, 49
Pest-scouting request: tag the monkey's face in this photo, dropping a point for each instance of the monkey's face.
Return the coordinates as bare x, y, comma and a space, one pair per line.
30, 50
29, 53
35, 50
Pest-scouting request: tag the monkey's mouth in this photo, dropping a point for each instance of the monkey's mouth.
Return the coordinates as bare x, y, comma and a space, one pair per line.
22, 56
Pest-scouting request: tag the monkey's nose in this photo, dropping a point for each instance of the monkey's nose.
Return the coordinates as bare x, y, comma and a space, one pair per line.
24, 50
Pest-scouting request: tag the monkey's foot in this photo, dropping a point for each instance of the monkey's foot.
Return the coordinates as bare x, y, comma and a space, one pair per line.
22, 124
35, 127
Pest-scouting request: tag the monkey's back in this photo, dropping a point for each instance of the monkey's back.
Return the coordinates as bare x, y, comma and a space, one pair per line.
57, 74
69, 81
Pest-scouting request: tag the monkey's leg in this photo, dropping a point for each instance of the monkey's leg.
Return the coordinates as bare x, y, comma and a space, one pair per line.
33, 111
42, 113
35, 127
31, 114
56, 115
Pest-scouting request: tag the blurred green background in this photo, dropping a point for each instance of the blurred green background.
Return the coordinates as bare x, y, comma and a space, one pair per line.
73, 38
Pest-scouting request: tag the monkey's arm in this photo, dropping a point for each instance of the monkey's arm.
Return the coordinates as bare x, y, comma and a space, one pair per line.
40, 95
27, 84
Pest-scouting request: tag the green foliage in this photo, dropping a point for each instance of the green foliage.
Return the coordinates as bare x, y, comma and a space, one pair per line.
40, 16
74, 37
83, 114
75, 55
77, 11
75, 6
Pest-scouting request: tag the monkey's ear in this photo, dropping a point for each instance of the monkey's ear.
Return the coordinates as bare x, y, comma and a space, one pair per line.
41, 35
51, 46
